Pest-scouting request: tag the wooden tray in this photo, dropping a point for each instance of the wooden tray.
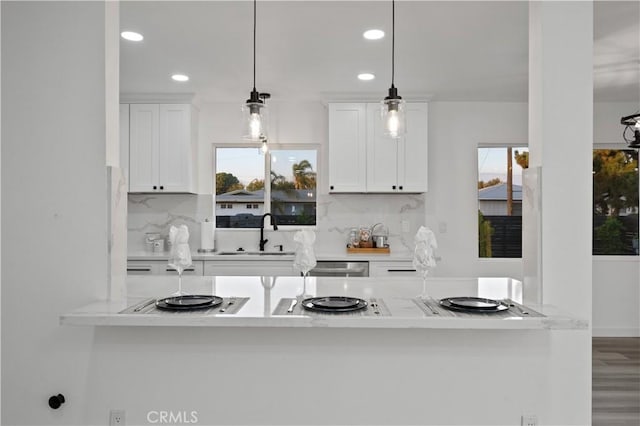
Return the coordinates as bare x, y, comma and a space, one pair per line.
368, 250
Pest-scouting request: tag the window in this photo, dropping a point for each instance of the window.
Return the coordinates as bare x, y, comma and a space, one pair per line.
293, 186
615, 202
241, 173
500, 201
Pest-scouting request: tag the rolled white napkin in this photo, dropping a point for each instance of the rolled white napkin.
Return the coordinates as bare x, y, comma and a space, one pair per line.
424, 256
305, 259
180, 257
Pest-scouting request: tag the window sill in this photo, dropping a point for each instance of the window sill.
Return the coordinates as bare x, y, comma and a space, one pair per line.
615, 258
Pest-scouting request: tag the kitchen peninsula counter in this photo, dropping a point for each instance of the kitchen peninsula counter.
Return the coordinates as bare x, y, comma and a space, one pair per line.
406, 368
398, 297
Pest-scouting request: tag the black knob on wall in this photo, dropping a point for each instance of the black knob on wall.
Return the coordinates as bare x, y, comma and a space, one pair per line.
162, 187
393, 187
155, 187
56, 401
400, 188
331, 187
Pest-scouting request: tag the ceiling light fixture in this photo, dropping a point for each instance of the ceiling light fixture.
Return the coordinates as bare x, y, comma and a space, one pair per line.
393, 105
632, 125
255, 110
180, 77
366, 76
373, 34
131, 36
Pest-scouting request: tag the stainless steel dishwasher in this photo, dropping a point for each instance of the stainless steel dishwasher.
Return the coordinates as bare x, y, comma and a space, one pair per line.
337, 268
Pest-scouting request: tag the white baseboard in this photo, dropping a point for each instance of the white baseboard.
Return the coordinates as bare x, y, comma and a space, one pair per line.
616, 332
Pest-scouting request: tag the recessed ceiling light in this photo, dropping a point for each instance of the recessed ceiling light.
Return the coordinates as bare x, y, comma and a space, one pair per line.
180, 77
365, 76
373, 34
131, 36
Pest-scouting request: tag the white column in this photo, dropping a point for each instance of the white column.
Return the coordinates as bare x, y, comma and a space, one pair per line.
560, 151
560, 143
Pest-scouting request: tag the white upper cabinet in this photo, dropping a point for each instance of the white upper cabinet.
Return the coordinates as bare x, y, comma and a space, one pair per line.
347, 147
390, 166
162, 146
412, 150
124, 141
143, 147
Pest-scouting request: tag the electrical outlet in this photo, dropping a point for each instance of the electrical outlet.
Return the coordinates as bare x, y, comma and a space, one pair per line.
529, 420
117, 418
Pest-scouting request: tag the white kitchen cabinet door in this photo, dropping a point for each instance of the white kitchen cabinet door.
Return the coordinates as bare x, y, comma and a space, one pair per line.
143, 147
268, 268
124, 141
397, 165
412, 151
382, 154
347, 147
175, 149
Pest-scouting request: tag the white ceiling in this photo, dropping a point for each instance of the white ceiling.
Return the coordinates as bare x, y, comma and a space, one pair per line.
314, 49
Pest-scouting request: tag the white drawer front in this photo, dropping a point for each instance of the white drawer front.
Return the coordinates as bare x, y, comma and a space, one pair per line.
392, 269
160, 267
276, 268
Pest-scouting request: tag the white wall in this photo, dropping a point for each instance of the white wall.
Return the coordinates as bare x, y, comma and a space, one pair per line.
616, 279
54, 209
455, 131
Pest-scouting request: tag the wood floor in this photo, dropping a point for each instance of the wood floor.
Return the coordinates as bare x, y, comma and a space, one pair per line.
616, 381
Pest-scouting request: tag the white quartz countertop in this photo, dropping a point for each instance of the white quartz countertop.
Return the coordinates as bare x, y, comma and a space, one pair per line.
336, 255
398, 296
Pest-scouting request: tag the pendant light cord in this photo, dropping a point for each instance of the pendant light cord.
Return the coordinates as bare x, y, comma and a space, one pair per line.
254, 45
393, 40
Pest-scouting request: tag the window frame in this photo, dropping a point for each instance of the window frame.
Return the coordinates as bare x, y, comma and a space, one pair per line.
267, 170
478, 146
615, 257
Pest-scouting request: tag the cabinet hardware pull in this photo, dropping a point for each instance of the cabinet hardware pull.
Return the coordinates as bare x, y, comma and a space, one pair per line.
186, 270
56, 401
400, 188
393, 187
155, 187
130, 269
401, 270
331, 187
162, 187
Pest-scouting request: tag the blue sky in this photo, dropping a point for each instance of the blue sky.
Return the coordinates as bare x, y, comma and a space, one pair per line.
492, 163
248, 163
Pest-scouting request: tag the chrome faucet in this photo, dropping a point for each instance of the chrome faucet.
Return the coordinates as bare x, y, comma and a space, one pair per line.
263, 241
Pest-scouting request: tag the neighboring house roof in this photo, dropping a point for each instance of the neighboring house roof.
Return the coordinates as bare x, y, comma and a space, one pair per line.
292, 196
241, 196
499, 193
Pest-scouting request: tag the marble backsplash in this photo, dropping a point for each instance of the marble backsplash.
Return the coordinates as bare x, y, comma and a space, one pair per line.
337, 214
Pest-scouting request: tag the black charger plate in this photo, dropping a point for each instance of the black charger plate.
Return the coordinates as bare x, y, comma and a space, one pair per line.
334, 304
189, 302
473, 304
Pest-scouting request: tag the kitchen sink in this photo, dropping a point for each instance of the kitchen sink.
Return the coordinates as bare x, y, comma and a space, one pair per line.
256, 253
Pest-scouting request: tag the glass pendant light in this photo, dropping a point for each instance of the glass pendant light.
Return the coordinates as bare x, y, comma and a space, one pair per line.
255, 109
393, 117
